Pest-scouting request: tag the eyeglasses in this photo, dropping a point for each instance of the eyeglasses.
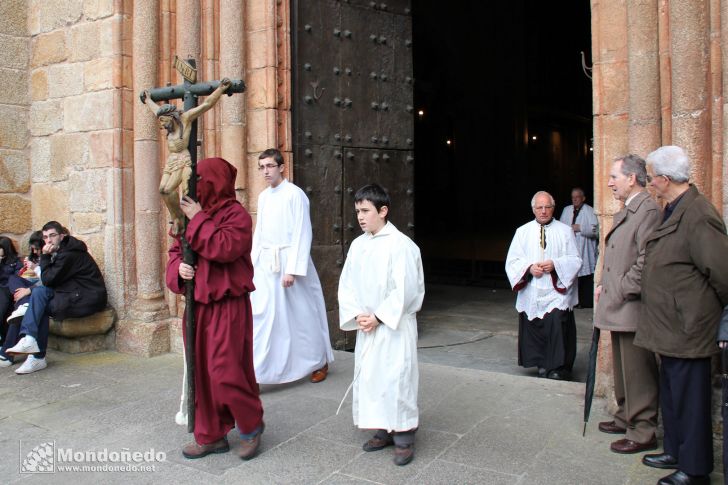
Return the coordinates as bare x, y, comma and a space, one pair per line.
542, 207
650, 178
269, 166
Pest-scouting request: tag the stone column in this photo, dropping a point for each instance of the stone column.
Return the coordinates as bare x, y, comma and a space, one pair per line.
232, 64
188, 29
665, 70
610, 83
207, 71
724, 63
691, 114
146, 333
716, 105
645, 130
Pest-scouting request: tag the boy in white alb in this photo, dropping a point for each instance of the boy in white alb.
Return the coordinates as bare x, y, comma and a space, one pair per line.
290, 330
380, 291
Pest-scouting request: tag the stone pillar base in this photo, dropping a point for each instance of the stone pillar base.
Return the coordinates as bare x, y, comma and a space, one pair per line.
79, 345
145, 339
176, 339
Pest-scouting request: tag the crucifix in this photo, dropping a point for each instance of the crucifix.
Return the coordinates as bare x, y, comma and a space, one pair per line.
181, 170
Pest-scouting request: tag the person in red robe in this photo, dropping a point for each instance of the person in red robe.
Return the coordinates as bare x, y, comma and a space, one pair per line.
220, 232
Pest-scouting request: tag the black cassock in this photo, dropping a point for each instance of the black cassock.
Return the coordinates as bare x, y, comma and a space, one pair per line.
548, 342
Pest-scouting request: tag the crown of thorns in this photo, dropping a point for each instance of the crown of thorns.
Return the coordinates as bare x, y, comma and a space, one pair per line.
167, 109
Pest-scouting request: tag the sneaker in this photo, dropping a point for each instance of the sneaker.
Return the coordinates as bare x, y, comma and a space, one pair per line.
18, 312
31, 365
27, 345
5, 362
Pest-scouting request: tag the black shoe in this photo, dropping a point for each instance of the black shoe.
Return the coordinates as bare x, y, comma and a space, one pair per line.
681, 478
559, 374
541, 372
660, 460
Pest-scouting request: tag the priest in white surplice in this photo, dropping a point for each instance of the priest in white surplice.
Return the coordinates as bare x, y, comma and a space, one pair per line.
542, 266
290, 331
381, 289
580, 216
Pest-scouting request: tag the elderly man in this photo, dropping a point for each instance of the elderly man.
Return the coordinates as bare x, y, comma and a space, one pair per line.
619, 307
684, 290
542, 266
584, 223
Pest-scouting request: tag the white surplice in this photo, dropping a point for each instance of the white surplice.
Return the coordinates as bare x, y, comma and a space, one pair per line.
383, 275
538, 296
290, 331
587, 239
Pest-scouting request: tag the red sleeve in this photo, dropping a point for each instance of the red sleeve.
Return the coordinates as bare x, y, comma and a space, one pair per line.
523, 281
174, 282
224, 240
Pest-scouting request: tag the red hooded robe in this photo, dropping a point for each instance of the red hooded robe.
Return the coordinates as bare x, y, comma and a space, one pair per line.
221, 235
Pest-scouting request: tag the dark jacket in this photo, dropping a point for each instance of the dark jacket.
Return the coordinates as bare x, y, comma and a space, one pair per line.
6, 270
685, 281
75, 278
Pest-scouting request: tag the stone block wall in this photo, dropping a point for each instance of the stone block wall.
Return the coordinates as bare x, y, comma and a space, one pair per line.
73, 84
15, 100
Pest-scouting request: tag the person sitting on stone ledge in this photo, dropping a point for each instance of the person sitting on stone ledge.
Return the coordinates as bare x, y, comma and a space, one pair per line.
20, 286
73, 287
9, 265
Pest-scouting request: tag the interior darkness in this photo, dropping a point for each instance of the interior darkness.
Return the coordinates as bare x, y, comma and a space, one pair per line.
503, 81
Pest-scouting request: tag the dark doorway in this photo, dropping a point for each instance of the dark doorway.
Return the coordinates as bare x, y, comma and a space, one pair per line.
352, 122
503, 108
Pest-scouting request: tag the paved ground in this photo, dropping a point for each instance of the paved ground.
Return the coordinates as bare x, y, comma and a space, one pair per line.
477, 426
477, 328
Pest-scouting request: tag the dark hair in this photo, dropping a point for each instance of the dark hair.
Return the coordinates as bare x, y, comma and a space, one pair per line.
35, 241
375, 194
54, 225
273, 153
11, 255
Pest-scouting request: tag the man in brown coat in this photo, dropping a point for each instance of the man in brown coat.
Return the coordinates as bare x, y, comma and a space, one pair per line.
619, 307
684, 290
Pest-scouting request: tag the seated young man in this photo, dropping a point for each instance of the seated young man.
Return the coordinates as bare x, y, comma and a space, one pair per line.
73, 287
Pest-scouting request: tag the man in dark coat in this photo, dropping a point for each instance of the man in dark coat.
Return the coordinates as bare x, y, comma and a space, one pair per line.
72, 287
220, 232
723, 344
684, 290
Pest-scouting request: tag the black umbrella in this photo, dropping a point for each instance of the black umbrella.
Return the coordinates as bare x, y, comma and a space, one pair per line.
591, 372
724, 407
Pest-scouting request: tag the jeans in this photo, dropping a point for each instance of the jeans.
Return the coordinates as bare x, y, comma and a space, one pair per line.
36, 320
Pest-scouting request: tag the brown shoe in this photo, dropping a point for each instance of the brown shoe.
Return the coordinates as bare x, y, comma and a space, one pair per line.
611, 427
194, 450
249, 448
376, 443
628, 446
403, 454
320, 375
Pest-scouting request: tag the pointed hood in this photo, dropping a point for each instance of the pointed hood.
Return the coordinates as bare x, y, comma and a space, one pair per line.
215, 184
